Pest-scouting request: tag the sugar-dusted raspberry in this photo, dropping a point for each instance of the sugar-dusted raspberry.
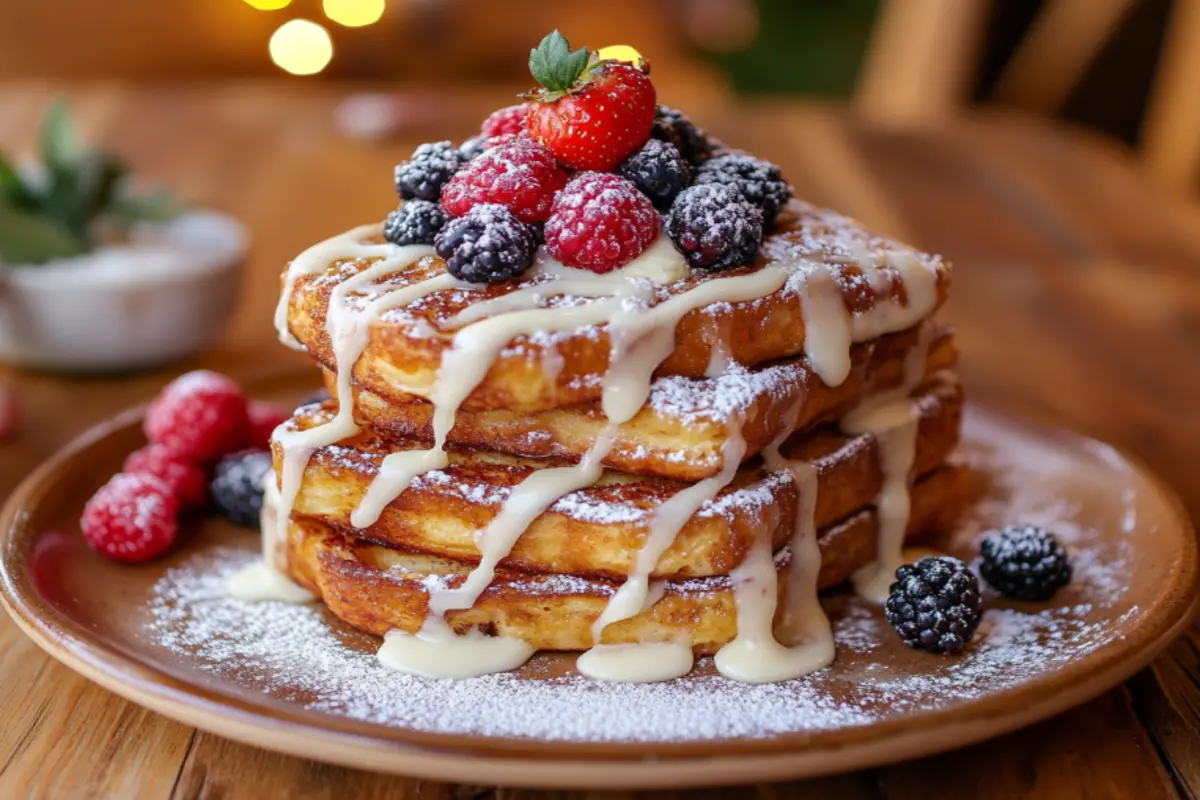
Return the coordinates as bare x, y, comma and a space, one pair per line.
715, 227
264, 419
760, 181
486, 245
415, 222
507, 120
427, 171
186, 480
600, 222
131, 518
521, 175
199, 416
658, 171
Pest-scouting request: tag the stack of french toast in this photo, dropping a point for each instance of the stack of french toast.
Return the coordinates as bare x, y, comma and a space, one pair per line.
701, 430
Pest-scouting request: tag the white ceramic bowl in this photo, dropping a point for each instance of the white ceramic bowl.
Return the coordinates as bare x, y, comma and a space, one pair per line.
161, 296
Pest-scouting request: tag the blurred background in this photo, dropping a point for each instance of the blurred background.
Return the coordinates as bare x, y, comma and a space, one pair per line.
1091, 61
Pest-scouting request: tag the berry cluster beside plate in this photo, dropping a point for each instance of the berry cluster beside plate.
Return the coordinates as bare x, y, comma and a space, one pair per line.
205, 437
936, 605
593, 168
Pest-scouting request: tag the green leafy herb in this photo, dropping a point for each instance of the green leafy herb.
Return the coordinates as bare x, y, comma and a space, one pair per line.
27, 238
556, 67
55, 215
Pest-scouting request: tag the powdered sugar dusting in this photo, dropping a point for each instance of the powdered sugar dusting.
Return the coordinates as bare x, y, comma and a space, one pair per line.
304, 656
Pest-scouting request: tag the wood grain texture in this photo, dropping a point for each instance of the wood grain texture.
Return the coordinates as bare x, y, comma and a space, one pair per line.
1077, 297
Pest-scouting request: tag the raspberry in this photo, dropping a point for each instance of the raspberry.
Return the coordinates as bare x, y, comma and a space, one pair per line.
600, 222
415, 222
10, 411
715, 227
658, 171
760, 181
199, 417
487, 245
264, 419
521, 175
1025, 562
506, 120
185, 480
430, 167
672, 126
237, 485
131, 518
934, 604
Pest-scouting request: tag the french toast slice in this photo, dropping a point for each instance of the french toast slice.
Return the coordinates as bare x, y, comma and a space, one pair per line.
379, 589
552, 370
597, 531
681, 431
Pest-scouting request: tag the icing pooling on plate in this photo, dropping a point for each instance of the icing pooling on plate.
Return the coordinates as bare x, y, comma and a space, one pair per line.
642, 335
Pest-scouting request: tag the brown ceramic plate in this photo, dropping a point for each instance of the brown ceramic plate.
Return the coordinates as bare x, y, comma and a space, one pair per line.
294, 679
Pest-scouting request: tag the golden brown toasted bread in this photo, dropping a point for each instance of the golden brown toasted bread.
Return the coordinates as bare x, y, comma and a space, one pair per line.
598, 530
380, 589
681, 431
405, 345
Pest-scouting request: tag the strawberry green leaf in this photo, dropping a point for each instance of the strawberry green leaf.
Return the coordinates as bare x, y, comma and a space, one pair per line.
26, 238
554, 65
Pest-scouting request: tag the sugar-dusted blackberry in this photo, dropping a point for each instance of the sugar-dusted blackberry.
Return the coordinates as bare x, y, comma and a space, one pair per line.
715, 227
415, 222
424, 175
672, 126
237, 485
760, 181
1025, 562
488, 244
934, 604
471, 147
658, 171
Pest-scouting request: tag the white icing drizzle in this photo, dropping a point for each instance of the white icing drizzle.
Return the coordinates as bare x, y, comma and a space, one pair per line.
636, 663
438, 652
893, 420
642, 335
261, 580
755, 655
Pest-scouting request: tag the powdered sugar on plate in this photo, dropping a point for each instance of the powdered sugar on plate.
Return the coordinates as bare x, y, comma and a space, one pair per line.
304, 656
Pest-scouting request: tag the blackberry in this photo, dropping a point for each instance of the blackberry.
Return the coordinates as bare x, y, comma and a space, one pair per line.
672, 126
1025, 562
424, 175
934, 604
415, 222
658, 171
715, 227
237, 485
760, 181
472, 147
317, 396
486, 245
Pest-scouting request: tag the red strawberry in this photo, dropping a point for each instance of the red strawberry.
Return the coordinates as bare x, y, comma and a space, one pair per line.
590, 113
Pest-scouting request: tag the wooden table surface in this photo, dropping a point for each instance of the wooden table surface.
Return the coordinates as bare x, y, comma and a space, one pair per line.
1077, 296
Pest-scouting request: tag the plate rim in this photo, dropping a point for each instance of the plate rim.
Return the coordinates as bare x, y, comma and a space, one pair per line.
505, 760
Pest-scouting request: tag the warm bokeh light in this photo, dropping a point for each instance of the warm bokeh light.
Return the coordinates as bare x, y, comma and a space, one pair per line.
621, 52
354, 13
301, 47
268, 5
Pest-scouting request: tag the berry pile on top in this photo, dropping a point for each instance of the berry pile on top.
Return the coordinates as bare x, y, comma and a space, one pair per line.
593, 168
